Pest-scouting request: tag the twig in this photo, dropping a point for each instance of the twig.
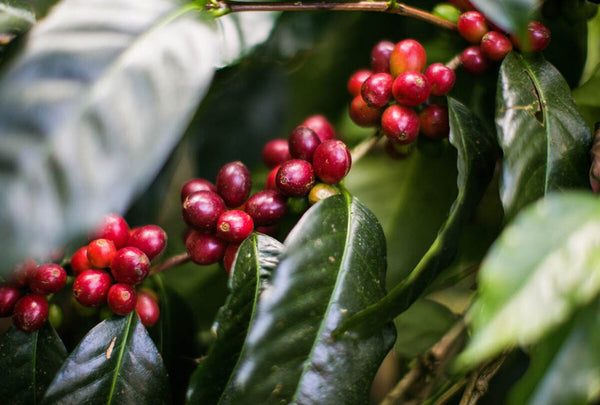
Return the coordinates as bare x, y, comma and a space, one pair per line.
364, 147
454, 63
170, 263
225, 7
480, 381
414, 375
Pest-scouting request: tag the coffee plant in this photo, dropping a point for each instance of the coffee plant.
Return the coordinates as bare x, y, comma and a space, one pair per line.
353, 202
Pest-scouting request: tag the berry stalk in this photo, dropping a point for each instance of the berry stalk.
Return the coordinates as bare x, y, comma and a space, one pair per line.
170, 263
225, 7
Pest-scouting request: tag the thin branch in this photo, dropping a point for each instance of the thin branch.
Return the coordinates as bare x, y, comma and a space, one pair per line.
364, 147
479, 382
397, 393
454, 63
225, 7
170, 263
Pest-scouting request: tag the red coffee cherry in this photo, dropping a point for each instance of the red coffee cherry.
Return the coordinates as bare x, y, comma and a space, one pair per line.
229, 256
193, 185
362, 114
8, 297
441, 78
295, 178
147, 309
234, 183
433, 121
270, 182
30, 313
202, 209
150, 239
234, 226
48, 279
266, 207
473, 60
407, 56
472, 26
377, 90
79, 261
332, 161
356, 81
130, 266
400, 124
121, 298
276, 152
302, 142
100, 253
495, 46
113, 227
90, 288
538, 38
380, 57
321, 126
19, 277
411, 89
204, 249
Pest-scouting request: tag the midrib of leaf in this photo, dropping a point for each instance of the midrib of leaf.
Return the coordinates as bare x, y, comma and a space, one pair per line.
545, 124
256, 292
120, 358
35, 343
338, 279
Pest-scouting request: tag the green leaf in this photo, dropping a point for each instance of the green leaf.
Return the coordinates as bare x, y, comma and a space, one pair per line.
15, 17
510, 15
332, 266
586, 97
90, 110
116, 362
256, 259
542, 268
477, 154
564, 367
28, 363
544, 139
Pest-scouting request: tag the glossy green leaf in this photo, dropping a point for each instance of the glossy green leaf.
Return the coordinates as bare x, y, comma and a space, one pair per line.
586, 97
257, 257
28, 363
544, 139
511, 15
90, 110
15, 17
477, 154
332, 266
564, 365
543, 267
115, 363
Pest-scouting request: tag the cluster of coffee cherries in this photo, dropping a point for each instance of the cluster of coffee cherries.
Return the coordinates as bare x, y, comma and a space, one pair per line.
105, 270
389, 93
222, 214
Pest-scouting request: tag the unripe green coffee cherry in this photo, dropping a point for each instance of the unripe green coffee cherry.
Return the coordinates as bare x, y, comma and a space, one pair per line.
297, 205
321, 191
447, 12
55, 315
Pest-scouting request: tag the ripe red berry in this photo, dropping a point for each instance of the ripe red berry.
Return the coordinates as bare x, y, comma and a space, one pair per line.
147, 309
48, 279
538, 38
377, 89
380, 57
356, 81
121, 298
234, 226
472, 26
433, 121
400, 124
321, 126
229, 256
79, 261
100, 253
30, 312
90, 288
473, 60
113, 227
204, 248
303, 141
295, 178
193, 185
202, 209
495, 46
407, 56
332, 161
130, 266
362, 114
150, 239
276, 152
234, 183
266, 207
19, 277
411, 88
270, 181
441, 78
8, 297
